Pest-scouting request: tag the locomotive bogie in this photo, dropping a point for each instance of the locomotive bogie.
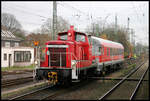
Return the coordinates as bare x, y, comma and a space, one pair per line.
61, 75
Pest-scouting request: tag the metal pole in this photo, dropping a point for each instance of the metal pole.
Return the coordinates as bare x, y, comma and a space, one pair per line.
128, 28
36, 54
116, 24
54, 20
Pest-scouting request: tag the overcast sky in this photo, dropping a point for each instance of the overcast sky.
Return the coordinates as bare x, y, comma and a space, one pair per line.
32, 14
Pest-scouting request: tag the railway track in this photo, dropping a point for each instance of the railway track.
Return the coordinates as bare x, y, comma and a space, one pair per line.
131, 91
6, 83
51, 92
16, 72
48, 92
64, 91
36, 94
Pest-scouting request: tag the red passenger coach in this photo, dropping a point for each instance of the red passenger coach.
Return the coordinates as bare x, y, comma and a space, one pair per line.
75, 55
106, 53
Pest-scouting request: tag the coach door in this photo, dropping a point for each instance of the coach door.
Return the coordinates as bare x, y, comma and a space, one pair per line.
98, 53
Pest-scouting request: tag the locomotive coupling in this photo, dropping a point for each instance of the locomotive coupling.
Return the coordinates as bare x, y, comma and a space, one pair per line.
52, 77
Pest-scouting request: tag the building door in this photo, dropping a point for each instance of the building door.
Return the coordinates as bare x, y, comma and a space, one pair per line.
10, 60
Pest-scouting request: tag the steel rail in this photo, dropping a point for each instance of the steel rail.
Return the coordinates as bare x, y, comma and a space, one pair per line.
124, 78
115, 78
138, 85
53, 95
6, 83
26, 94
16, 72
57, 93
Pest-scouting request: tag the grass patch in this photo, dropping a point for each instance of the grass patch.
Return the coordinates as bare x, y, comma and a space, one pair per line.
130, 67
31, 67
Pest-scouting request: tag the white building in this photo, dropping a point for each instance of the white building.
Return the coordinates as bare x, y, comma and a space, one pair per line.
12, 54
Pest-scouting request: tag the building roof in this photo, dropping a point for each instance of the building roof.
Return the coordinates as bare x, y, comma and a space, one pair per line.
7, 35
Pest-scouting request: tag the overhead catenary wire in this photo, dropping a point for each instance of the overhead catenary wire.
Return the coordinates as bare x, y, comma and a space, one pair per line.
23, 11
67, 5
70, 7
135, 11
79, 11
78, 15
33, 23
25, 7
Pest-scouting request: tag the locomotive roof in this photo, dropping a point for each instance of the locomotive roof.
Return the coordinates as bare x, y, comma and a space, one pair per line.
107, 43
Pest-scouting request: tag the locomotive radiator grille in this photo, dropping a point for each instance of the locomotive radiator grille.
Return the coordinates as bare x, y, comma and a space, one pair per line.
57, 57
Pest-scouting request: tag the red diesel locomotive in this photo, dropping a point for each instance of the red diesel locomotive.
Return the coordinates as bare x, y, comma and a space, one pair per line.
74, 55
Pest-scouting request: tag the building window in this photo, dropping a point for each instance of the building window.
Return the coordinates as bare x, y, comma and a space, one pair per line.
22, 56
17, 55
7, 44
27, 56
16, 44
5, 57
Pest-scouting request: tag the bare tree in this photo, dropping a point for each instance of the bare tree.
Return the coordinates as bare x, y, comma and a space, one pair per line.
108, 32
30, 38
62, 25
10, 22
95, 28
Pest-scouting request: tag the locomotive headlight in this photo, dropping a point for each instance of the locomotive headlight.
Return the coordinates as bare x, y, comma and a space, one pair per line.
69, 34
36, 62
73, 64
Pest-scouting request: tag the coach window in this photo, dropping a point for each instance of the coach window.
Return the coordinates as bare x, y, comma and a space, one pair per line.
117, 51
100, 49
113, 51
107, 51
110, 51
120, 51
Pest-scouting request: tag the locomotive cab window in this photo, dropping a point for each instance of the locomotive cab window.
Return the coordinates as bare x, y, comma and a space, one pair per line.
80, 37
64, 37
